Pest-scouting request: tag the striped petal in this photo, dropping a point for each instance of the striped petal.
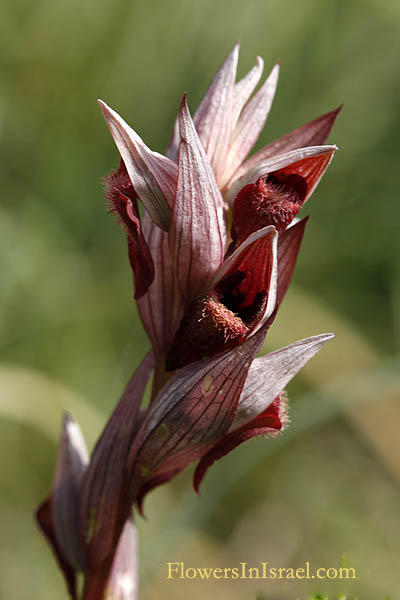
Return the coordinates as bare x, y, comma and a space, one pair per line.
214, 116
250, 123
245, 87
197, 233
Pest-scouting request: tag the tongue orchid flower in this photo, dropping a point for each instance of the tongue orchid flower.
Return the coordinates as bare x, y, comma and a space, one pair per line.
212, 252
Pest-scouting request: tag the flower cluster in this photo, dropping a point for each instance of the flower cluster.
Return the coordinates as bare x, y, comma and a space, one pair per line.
212, 256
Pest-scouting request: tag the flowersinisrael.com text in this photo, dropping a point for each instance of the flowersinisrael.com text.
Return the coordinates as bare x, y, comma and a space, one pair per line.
263, 570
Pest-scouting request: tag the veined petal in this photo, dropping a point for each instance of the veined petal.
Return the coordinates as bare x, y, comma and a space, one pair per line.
242, 92
273, 420
262, 405
270, 374
104, 498
192, 411
250, 123
161, 308
245, 87
314, 133
213, 118
153, 176
197, 233
310, 163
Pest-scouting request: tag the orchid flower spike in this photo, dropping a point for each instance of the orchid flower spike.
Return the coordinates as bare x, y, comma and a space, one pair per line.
212, 254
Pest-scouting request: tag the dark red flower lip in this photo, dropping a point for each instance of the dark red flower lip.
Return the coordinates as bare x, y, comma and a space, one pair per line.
240, 301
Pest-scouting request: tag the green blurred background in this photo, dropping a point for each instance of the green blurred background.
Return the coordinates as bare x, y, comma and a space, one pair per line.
70, 335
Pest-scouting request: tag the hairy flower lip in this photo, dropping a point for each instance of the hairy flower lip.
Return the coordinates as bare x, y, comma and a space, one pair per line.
208, 327
253, 295
274, 200
122, 201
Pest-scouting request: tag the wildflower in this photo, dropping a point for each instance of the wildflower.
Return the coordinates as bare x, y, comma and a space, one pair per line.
212, 257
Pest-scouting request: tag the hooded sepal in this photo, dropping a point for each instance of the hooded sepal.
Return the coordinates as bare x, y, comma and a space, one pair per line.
273, 420
314, 133
193, 410
58, 516
281, 175
152, 175
197, 233
70, 471
105, 501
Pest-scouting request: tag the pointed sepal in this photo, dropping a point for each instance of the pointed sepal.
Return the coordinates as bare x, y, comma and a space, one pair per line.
250, 123
271, 373
58, 515
152, 175
314, 133
214, 116
197, 233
